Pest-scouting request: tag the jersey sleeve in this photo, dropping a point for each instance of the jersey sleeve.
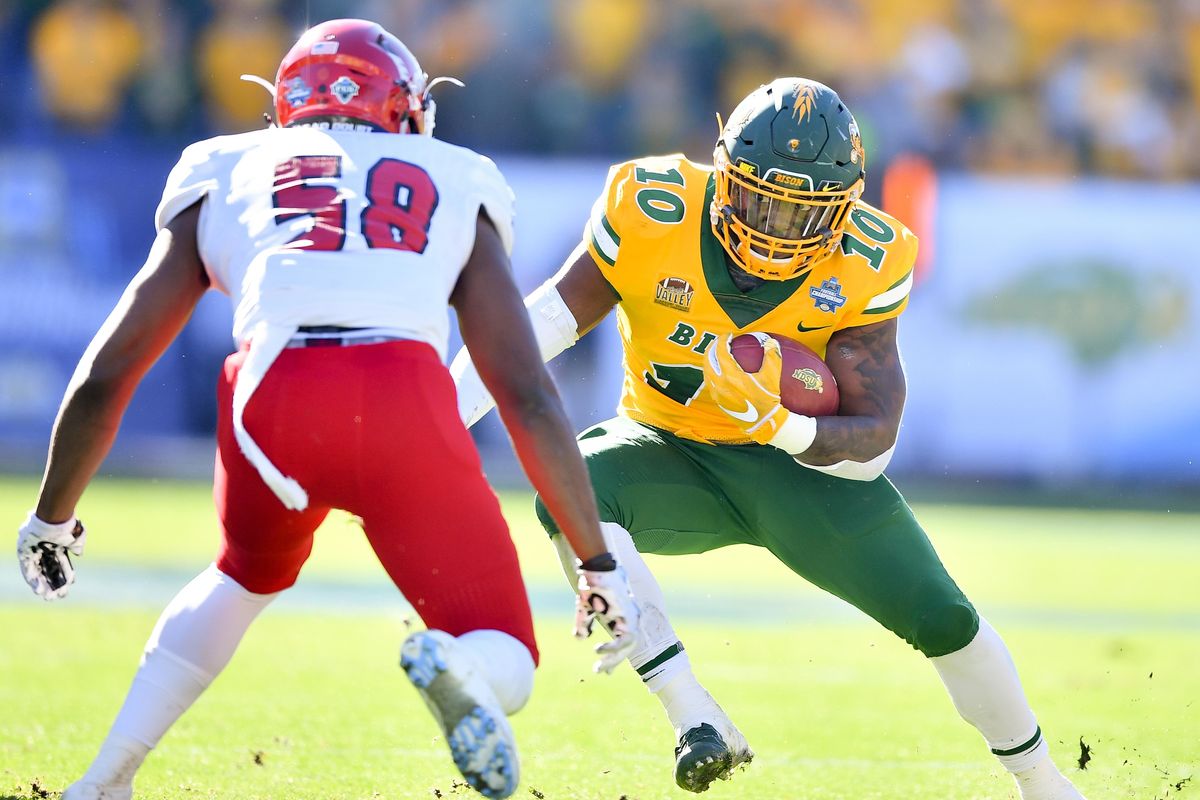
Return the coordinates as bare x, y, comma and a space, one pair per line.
892, 284
193, 177
603, 240
496, 198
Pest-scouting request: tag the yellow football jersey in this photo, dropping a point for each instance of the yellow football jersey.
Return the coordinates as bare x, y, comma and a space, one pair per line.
650, 234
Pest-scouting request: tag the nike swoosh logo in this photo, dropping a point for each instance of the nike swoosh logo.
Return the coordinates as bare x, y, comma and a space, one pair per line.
805, 329
748, 416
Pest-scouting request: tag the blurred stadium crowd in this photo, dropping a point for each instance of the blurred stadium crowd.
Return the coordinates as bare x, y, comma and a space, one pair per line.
1064, 87
1064, 284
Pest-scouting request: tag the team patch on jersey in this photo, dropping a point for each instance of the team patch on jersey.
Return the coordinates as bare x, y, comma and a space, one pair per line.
674, 293
828, 296
298, 92
344, 89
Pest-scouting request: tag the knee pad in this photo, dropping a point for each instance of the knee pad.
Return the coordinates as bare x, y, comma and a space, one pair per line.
946, 628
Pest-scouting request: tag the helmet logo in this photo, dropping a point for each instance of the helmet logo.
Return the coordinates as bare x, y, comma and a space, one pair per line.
747, 167
298, 92
804, 103
344, 89
856, 146
793, 145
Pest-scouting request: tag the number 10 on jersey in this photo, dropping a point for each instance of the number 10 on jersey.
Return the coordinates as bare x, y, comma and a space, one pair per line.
401, 199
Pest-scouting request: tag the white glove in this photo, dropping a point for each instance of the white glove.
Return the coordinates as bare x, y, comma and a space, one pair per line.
606, 596
43, 551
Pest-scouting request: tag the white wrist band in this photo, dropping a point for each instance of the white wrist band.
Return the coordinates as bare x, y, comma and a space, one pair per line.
796, 434
555, 329
553, 324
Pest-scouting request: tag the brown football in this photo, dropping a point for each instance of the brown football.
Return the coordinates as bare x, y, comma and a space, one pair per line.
806, 386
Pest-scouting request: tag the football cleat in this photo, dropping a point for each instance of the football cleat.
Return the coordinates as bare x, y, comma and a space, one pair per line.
703, 755
93, 791
465, 707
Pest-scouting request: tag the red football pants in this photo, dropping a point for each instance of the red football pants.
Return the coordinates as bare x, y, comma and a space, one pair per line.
372, 429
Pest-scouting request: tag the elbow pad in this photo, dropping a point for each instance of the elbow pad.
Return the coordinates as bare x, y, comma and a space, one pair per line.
856, 470
554, 328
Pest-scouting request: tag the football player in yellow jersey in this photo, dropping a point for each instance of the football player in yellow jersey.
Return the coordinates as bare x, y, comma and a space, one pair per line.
775, 237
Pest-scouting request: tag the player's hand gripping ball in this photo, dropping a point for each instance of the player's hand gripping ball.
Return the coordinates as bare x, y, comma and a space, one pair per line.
806, 386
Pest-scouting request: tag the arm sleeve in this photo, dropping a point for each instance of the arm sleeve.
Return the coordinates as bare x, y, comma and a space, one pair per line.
191, 179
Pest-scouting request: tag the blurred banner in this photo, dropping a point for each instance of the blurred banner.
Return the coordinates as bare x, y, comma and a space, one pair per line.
1055, 335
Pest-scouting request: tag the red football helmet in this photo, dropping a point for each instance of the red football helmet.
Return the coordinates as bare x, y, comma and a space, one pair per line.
353, 68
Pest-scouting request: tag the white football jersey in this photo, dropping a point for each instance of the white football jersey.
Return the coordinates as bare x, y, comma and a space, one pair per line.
302, 226
305, 227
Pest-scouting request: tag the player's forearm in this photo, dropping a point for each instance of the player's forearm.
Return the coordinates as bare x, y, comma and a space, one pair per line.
847, 438
83, 434
550, 457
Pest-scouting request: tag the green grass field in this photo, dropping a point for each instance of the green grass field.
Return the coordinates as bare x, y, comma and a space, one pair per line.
1100, 609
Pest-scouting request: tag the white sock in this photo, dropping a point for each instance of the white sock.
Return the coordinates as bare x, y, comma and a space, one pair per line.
194, 639
983, 683
506, 664
688, 704
1043, 781
660, 659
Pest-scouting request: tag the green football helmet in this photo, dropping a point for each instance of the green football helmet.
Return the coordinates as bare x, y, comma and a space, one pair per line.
789, 166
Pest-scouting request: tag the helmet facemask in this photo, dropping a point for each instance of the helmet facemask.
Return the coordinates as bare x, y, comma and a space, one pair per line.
777, 225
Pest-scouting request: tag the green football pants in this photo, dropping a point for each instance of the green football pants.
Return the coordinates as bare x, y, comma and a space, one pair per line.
857, 540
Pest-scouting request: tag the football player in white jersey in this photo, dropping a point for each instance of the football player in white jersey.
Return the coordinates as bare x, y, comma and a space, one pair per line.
341, 236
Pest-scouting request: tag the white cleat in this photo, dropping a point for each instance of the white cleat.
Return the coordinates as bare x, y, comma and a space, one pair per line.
1043, 781
465, 707
92, 791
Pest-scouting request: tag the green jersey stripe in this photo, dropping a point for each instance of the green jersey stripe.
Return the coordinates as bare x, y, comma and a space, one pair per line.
886, 309
602, 239
609, 228
902, 280
898, 291
600, 252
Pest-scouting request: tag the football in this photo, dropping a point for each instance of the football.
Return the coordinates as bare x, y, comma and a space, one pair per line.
806, 386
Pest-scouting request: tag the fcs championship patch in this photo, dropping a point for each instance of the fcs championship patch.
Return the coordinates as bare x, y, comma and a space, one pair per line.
674, 293
828, 296
298, 92
344, 89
